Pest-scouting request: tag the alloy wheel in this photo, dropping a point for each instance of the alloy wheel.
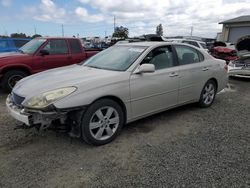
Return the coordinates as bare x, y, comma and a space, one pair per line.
104, 123
208, 94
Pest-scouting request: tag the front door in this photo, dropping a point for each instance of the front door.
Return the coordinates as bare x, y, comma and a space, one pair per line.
58, 54
153, 92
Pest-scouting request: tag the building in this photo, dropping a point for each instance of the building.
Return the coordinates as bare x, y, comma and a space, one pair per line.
235, 28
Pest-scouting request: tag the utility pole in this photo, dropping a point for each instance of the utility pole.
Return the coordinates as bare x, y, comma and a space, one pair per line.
62, 31
192, 28
114, 23
35, 29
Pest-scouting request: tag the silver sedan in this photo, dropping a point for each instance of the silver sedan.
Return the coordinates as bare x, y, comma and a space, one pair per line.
122, 84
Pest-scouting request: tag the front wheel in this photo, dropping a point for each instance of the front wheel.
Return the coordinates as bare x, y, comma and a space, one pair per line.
208, 94
102, 122
11, 78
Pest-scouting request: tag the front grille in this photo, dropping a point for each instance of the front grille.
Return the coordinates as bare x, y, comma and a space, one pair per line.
16, 99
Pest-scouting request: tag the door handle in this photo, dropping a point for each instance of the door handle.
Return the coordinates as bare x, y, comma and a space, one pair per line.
173, 74
205, 68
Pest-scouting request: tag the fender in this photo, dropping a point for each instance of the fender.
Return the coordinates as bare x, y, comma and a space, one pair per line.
20, 66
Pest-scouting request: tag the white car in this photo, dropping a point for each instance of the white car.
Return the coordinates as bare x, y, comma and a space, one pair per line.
119, 85
240, 67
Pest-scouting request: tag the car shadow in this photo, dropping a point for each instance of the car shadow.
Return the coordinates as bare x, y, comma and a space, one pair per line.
147, 124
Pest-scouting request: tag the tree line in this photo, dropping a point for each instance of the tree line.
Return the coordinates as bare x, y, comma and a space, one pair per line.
20, 35
120, 32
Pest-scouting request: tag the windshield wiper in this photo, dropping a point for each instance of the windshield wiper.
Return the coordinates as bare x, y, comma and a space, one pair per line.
94, 67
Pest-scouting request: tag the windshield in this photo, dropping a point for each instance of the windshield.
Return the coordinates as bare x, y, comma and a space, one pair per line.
118, 58
32, 46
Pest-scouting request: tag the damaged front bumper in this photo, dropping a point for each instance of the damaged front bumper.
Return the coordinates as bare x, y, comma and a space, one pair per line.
18, 113
56, 118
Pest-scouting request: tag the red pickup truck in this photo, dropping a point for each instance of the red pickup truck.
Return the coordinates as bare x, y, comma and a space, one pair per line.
38, 55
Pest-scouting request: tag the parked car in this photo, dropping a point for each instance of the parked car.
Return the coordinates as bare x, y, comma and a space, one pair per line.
119, 85
12, 44
38, 55
199, 44
241, 66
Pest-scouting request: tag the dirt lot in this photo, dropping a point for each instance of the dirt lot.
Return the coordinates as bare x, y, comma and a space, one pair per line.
185, 147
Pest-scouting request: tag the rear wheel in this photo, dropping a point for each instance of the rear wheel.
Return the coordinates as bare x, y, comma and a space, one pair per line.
102, 122
208, 94
11, 78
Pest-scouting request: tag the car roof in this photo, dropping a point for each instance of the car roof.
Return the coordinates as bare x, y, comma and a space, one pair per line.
154, 44
57, 38
147, 44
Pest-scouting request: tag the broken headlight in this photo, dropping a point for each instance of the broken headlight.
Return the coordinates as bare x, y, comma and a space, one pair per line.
45, 99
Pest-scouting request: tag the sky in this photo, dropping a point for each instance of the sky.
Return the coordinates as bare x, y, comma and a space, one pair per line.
88, 18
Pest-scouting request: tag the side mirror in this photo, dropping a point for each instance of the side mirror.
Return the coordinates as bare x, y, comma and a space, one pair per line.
44, 52
145, 68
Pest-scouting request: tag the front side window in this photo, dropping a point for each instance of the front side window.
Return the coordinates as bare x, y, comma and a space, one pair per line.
55, 47
187, 55
161, 57
118, 58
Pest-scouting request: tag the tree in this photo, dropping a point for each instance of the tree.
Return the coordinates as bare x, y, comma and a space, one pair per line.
36, 35
18, 35
159, 30
121, 32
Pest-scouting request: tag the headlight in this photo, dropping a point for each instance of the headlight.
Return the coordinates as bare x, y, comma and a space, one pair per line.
45, 99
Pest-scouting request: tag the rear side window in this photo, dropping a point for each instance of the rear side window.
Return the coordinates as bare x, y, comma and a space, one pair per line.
75, 46
187, 55
57, 47
4, 44
20, 43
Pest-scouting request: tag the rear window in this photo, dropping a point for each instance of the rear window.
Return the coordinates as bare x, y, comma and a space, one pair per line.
20, 43
75, 46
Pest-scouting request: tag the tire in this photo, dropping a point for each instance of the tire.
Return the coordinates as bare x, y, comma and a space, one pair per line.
102, 122
10, 78
208, 94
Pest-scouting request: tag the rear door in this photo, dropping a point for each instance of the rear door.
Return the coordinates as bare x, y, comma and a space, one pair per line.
59, 54
194, 71
152, 92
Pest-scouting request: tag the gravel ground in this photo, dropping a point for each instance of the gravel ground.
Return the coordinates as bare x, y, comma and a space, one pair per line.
184, 147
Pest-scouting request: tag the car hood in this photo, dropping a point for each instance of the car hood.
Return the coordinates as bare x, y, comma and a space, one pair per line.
82, 77
11, 55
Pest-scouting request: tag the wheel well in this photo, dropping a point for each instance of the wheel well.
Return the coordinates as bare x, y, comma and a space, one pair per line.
119, 101
215, 81
26, 70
